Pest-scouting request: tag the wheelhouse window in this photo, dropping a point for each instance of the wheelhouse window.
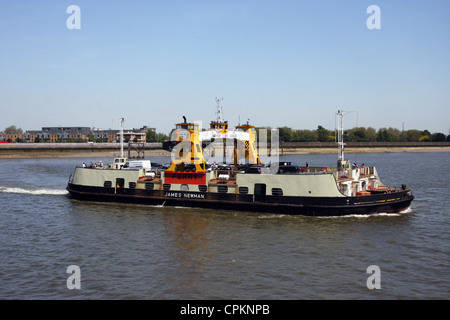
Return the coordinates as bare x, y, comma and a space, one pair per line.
187, 126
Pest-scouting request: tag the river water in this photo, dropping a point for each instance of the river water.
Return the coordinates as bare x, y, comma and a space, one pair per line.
126, 251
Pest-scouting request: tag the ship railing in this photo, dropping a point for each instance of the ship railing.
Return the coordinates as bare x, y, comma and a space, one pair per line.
388, 189
317, 170
396, 189
354, 173
365, 171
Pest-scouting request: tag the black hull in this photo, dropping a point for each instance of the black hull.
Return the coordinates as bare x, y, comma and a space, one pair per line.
308, 206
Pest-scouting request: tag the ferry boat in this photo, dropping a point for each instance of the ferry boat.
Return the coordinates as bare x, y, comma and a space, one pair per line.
245, 185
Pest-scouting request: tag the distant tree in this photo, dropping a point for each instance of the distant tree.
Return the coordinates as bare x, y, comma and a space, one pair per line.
411, 135
438, 137
372, 134
322, 134
424, 138
358, 134
382, 135
361, 135
161, 137
306, 136
152, 136
13, 130
285, 134
294, 136
388, 135
393, 134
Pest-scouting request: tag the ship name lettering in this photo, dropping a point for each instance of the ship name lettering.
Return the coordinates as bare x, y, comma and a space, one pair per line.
185, 195
194, 195
185, 176
173, 194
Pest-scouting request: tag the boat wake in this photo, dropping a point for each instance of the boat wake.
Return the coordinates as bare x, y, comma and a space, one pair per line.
372, 215
408, 210
160, 205
31, 191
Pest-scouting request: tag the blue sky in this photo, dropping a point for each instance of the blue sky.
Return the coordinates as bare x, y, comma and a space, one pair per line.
277, 63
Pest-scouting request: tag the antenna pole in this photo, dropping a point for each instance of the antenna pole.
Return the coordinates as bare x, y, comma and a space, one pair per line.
341, 143
121, 137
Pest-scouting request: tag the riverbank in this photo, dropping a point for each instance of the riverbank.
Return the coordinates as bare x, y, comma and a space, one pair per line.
13, 153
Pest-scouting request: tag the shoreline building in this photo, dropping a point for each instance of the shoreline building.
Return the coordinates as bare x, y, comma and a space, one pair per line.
59, 134
80, 134
12, 137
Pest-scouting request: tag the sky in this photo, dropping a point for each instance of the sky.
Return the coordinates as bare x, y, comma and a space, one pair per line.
277, 63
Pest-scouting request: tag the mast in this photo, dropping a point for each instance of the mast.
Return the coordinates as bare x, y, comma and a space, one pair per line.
121, 137
219, 111
221, 125
342, 164
340, 129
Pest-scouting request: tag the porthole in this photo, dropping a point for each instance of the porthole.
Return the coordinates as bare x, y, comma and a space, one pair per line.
277, 191
222, 189
243, 190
